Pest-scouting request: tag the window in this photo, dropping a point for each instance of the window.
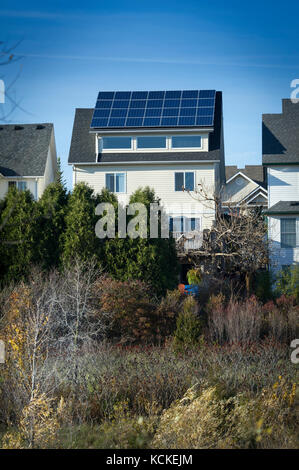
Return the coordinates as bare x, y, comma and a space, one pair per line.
192, 223
184, 179
151, 142
116, 142
186, 141
176, 224
184, 224
288, 233
115, 182
22, 185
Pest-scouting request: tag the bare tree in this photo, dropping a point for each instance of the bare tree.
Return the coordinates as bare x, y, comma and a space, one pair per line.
7, 58
236, 243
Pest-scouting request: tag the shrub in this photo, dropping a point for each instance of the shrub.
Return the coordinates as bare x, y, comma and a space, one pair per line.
263, 285
207, 417
237, 322
136, 315
188, 326
287, 282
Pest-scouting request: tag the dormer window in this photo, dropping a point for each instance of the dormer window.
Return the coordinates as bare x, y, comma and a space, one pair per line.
116, 143
151, 142
186, 141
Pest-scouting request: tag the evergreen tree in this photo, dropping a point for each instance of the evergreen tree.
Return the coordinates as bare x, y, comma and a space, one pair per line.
51, 208
17, 234
79, 239
152, 260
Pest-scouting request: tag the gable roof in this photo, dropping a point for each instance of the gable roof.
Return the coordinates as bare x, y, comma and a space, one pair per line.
82, 148
24, 149
283, 207
280, 134
254, 172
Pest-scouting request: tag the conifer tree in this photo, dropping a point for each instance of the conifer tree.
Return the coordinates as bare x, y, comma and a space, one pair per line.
17, 234
79, 239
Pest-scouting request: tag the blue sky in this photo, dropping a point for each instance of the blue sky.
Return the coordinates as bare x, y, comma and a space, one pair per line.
71, 50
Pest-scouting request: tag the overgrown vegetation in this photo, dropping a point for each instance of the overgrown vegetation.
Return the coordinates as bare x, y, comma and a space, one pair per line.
96, 362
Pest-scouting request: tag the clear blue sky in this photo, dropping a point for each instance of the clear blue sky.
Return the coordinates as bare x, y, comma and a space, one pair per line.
71, 50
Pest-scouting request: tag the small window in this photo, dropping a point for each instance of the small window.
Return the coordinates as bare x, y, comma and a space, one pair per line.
184, 180
115, 182
116, 142
22, 185
176, 224
192, 223
12, 184
288, 233
151, 142
186, 141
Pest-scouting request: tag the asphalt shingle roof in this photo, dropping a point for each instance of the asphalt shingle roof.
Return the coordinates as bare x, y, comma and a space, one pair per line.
24, 149
254, 172
284, 207
281, 135
82, 148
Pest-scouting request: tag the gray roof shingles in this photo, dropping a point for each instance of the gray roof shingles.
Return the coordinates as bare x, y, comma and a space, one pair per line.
254, 172
284, 207
281, 135
24, 149
82, 148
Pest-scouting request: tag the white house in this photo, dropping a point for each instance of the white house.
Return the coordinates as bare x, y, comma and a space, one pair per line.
281, 160
27, 157
244, 186
165, 140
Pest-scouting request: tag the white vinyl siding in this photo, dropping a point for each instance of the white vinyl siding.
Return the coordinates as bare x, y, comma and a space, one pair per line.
160, 177
283, 184
280, 253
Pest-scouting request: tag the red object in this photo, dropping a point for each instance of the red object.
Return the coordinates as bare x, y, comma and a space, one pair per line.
181, 288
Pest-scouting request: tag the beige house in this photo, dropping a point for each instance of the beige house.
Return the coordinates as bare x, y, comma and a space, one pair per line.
165, 140
244, 186
27, 157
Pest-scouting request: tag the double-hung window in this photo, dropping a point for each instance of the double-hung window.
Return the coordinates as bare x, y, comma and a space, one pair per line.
288, 233
184, 180
116, 182
183, 224
21, 185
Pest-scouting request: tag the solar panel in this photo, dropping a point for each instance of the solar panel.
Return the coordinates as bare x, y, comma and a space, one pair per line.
140, 109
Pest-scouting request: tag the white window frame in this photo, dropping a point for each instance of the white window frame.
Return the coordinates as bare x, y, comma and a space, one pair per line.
297, 233
100, 148
134, 148
185, 171
185, 217
186, 148
114, 173
151, 148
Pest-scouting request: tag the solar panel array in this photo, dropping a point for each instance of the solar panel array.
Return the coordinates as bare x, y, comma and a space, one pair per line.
130, 109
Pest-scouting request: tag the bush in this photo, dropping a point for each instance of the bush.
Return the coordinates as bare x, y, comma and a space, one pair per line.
137, 317
287, 282
263, 285
207, 417
188, 326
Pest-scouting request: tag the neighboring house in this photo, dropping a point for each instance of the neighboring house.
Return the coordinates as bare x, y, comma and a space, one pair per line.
281, 160
165, 140
244, 187
27, 157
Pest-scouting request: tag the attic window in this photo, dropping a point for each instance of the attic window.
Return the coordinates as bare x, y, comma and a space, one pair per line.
294, 203
19, 128
39, 127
